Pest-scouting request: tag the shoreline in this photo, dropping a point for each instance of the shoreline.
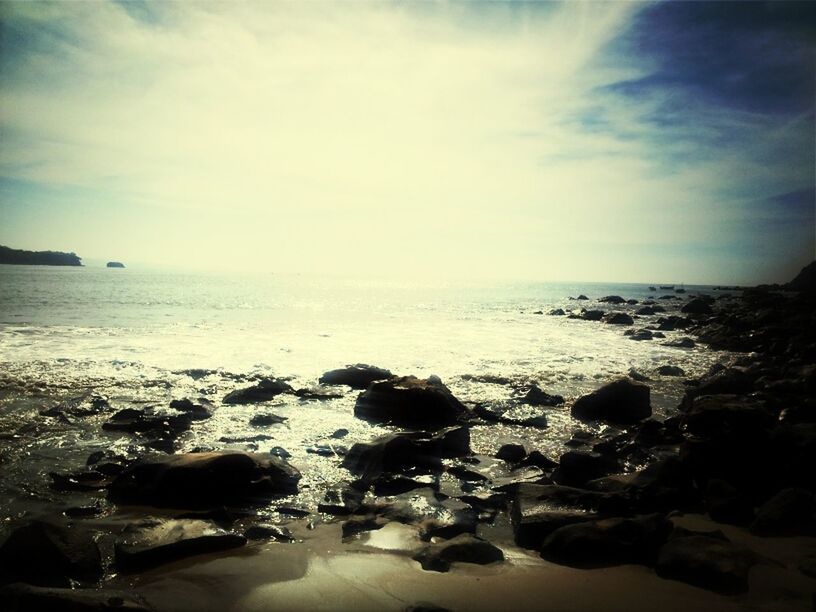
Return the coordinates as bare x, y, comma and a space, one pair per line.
702, 460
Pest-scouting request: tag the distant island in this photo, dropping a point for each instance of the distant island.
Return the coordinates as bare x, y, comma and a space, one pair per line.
115, 264
38, 258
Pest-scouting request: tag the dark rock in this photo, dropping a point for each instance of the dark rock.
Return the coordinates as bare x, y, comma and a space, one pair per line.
725, 504
649, 310
397, 484
805, 281
489, 379
612, 299
670, 370
198, 412
582, 297
340, 433
621, 402
536, 397
341, 502
618, 318
728, 416
146, 422
706, 562
265, 420
327, 450
558, 312
88, 404
578, 468
245, 439
50, 554
438, 516
635, 375
511, 453
79, 481
358, 376
672, 323
410, 402
498, 413
588, 315
115, 264
681, 343
464, 548
21, 597
466, 474
697, 306
728, 381
537, 459
317, 394
151, 543
263, 391
640, 335
608, 542
789, 512
807, 565
269, 532
204, 479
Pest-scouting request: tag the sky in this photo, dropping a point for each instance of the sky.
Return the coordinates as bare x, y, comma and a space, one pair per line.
606, 141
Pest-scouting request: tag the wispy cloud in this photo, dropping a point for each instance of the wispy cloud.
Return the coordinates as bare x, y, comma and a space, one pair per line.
520, 139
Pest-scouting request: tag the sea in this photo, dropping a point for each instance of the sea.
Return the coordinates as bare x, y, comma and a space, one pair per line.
144, 337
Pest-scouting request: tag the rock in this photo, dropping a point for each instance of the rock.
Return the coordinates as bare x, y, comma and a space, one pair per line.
608, 542
50, 554
537, 510
805, 281
557, 312
390, 485
588, 315
612, 299
269, 532
511, 453
410, 402
621, 402
463, 473
341, 502
397, 452
245, 439
640, 335
147, 422
198, 412
697, 306
635, 375
88, 404
263, 391
577, 468
498, 412
356, 526
265, 420
538, 312
706, 562
21, 597
789, 512
279, 451
115, 264
358, 376
728, 416
644, 311
582, 297
672, 323
539, 460
725, 381
79, 481
464, 548
618, 318
327, 450
438, 516
194, 480
681, 343
536, 397
340, 433
670, 370
725, 504
151, 543
807, 565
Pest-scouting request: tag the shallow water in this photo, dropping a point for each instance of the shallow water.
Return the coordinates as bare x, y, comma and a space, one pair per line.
130, 335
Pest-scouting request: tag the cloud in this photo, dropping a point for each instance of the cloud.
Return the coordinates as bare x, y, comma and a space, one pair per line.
504, 139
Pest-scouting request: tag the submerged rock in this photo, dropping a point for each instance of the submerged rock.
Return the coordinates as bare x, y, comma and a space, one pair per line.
410, 402
464, 548
622, 402
50, 554
195, 480
87, 404
358, 376
153, 543
198, 412
536, 397
264, 391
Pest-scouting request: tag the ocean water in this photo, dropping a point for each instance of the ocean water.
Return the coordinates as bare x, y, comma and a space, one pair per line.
132, 335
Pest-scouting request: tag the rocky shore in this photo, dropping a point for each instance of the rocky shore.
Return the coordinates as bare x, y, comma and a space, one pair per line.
710, 497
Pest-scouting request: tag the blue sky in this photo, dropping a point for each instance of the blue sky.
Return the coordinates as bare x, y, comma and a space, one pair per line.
654, 142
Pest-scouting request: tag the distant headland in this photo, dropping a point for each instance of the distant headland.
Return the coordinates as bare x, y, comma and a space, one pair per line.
115, 264
38, 258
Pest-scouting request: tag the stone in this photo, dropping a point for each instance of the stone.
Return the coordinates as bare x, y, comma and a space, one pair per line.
577, 468
536, 397
537, 510
410, 402
269, 532
790, 512
358, 376
511, 453
48, 553
612, 299
194, 480
464, 548
728, 416
670, 370
267, 419
263, 391
706, 562
620, 402
21, 597
608, 542
156, 542
198, 412
681, 343
618, 318
697, 306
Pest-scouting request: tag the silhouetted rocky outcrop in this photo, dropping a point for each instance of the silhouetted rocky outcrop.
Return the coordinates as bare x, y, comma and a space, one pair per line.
38, 258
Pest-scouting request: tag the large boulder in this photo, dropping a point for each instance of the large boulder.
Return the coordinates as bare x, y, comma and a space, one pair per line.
263, 391
195, 480
707, 562
697, 306
537, 510
789, 512
50, 554
621, 402
618, 318
357, 376
464, 548
410, 402
151, 543
607, 542
612, 299
728, 416
577, 468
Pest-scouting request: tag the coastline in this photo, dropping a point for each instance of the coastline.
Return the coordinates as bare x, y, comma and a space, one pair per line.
763, 396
